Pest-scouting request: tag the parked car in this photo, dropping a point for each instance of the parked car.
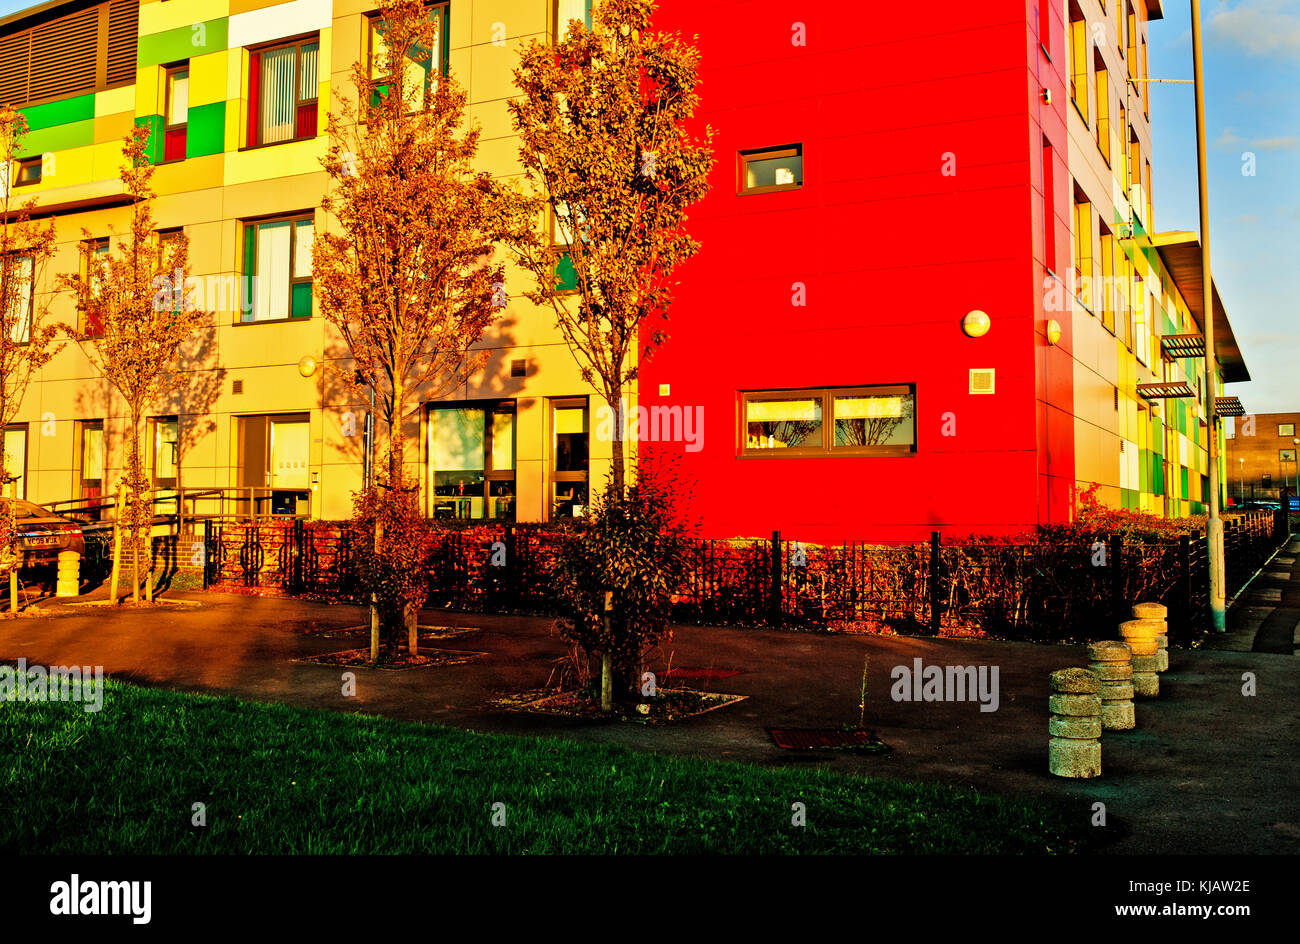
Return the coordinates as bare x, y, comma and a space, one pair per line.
42, 534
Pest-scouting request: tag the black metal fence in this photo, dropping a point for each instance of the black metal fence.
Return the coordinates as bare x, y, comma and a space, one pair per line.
1059, 590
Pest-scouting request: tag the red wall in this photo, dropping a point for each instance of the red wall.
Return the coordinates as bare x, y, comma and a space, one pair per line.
892, 253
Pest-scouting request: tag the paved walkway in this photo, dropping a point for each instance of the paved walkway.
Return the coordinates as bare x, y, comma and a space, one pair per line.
1208, 769
1266, 615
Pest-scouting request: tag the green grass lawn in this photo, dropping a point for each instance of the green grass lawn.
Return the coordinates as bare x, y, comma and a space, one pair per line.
285, 780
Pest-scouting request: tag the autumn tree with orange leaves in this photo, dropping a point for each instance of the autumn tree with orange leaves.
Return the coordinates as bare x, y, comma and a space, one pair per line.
603, 123
406, 270
135, 322
27, 341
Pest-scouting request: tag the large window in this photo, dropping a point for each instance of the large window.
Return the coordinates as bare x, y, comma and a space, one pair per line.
769, 169
18, 275
1079, 61
94, 253
570, 461
566, 10
277, 269
14, 483
282, 93
1049, 207
877, 420
176, 111
472, 461
164, 450
90, 465
1083, 251
422, 68
1103, 107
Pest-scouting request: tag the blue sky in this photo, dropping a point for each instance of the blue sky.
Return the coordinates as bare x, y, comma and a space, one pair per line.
1252, 73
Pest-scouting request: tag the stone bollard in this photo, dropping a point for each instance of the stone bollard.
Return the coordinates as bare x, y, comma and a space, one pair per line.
1111, 662
1160, 613
69, 576
1140, 634
1074, 749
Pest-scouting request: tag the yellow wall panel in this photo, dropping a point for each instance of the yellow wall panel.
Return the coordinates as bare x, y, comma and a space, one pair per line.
158, 17
148, 83
113, 127
208, 78
279, 160
515, 19
115, 100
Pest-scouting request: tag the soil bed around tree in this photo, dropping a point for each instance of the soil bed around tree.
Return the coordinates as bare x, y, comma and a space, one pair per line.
361, 658
669, 705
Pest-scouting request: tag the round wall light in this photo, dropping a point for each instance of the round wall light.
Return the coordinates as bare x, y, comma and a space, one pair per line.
307, 365
975, 324
1053, 331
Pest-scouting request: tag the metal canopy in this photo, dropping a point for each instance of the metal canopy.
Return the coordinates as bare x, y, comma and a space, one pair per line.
1229, 406
1176, 346
1165, 391
1181, 254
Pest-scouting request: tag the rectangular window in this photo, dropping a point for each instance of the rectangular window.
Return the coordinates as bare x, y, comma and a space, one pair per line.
1103, 109
164, 449
768, 169
1134, 166
566, 10
1286, 455
18, 276
90, 465
277, 269
830, 421
1079, 61
282, 93
1146, 86
472, 461
422, 68
1083, 251
14, 481
1286, 429
1049, 209
28, 172
1043, 24
570, 458
176, 112
1107, 300
1141, 320
1130, 42
94, 257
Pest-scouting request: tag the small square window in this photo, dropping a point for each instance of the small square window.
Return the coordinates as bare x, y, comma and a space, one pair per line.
1286, 429
770, 169
29, 172
1286, 455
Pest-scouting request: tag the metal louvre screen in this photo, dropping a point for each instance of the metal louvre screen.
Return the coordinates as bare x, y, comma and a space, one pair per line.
85, 51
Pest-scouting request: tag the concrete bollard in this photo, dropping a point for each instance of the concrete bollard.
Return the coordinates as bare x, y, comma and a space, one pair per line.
1160, 613
1075, 726
1140, 634
1111, 662
68, 583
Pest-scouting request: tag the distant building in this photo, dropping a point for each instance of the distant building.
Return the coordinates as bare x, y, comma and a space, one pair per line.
1261, 455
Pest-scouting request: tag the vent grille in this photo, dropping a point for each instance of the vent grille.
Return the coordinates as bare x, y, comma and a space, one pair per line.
73, 54
236, 386
518, 368
981, 380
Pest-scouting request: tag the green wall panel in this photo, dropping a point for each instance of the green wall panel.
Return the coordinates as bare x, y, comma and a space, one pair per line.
184, 42
566, 278
64, 111
59, 137
206, 130
154, 149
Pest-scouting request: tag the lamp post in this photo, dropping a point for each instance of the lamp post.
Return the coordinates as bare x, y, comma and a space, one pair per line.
1241, 482
1295, 456
1214, 524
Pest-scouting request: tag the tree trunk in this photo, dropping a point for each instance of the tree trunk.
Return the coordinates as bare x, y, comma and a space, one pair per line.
606, 682
117, 541
413, 629
617, 474
13, 590
374, 630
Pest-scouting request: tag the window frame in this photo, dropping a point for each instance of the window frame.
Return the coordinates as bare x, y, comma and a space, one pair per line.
19, 482
557, 33
489, 408
750, 155
156, 424
827, 396
555, 476
246, 284
89, 249
253, 131
17, 257
1290, 427
21, 164
444, 45
167, 125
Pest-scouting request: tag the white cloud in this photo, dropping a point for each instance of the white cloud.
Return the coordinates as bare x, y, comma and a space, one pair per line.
1274, 144
1260, 27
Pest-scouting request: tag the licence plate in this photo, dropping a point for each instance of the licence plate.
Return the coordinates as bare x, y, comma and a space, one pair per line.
44, 541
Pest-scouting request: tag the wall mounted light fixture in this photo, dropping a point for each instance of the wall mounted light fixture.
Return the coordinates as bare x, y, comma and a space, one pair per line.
975, 324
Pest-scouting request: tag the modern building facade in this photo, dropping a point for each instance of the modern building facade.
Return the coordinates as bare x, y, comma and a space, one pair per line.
930, 293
